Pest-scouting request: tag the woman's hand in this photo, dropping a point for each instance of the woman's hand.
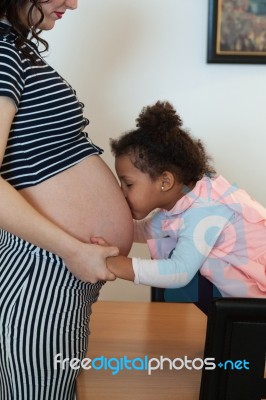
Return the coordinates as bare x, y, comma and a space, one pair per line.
120, 266
88, 262
100, 241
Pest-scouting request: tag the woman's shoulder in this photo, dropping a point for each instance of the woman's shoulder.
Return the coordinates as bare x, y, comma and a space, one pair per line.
12, 57
8, 48
7, 35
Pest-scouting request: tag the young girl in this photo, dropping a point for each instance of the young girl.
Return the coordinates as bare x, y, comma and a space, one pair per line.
200, 222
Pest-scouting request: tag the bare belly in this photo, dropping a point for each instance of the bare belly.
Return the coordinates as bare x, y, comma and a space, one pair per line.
85, 200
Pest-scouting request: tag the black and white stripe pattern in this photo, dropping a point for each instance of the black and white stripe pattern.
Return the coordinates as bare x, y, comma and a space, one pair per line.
46, 135
44, 311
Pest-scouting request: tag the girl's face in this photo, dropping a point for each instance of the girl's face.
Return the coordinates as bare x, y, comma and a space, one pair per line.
141, 192
53, 10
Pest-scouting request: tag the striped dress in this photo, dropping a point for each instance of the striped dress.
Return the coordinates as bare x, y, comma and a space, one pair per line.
44, 309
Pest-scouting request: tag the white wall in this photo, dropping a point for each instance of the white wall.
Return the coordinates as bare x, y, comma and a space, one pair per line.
121, 55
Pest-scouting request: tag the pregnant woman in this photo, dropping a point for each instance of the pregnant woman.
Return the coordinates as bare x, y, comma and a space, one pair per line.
53, 198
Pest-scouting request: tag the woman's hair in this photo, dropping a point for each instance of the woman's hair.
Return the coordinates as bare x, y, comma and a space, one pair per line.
161, 144
11, 9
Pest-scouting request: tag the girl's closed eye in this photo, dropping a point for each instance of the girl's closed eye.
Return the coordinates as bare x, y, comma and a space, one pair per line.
126, 183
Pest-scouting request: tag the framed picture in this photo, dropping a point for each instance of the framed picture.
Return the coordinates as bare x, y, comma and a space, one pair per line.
237, 31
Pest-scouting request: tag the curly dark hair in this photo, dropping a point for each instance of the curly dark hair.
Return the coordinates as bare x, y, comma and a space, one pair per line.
11, 9
161, 144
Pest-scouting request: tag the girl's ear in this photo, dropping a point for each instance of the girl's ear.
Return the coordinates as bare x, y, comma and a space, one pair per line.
167, 180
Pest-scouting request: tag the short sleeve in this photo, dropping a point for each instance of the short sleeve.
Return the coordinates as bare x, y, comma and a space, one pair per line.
11, 72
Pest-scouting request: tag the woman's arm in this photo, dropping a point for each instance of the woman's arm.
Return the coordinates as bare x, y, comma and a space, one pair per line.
86, 261
120, 266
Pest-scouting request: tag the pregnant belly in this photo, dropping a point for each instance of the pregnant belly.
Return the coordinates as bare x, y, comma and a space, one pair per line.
85, 200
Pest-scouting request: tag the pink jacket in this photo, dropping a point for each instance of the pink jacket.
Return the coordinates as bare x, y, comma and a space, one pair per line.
216, 228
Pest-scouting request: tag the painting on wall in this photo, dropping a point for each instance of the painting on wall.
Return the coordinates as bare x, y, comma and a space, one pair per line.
237, 31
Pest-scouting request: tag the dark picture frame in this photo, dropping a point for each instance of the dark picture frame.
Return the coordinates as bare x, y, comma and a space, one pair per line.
237, 31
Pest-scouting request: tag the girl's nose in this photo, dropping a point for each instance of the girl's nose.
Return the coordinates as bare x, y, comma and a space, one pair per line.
72, 4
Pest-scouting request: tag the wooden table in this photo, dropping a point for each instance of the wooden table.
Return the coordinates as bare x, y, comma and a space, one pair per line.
136, 330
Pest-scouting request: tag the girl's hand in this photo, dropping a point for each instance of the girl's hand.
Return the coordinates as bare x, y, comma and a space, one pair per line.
87, 262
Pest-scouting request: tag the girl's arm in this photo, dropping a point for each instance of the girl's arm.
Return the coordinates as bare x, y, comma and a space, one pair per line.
182, 258
121, 267
147, 272
86, 261
156, 273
